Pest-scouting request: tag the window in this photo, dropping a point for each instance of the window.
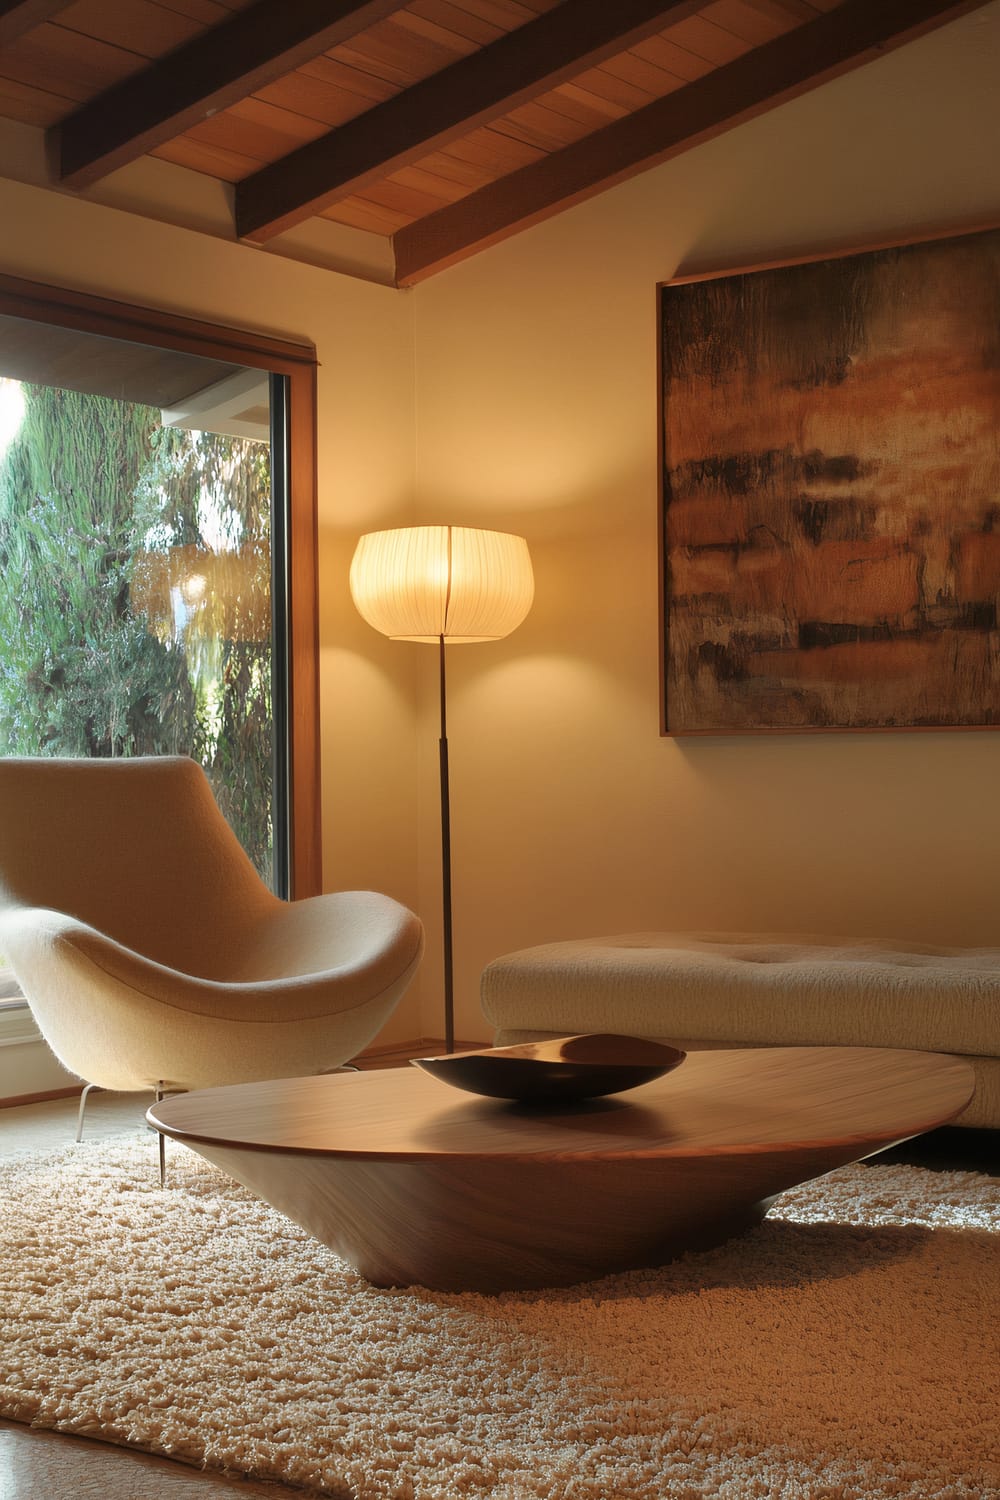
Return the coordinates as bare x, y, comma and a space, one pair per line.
157, 523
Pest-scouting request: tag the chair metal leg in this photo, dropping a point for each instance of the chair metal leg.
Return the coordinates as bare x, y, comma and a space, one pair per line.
83, 1105
162, 1140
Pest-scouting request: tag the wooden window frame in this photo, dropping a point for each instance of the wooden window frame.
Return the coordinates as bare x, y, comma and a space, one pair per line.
297, 362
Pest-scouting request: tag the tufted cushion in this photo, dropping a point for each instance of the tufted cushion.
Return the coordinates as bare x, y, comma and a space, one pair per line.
714, 989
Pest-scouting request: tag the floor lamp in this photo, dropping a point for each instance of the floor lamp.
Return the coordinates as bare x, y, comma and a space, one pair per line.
441, 584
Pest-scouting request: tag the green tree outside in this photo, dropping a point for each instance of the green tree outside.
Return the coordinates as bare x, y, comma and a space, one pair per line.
135, 610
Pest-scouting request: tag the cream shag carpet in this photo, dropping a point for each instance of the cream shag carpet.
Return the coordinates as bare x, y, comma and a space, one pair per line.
848, 1347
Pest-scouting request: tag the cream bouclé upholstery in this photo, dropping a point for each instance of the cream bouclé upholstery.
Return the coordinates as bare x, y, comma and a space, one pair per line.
151, 952
749, 989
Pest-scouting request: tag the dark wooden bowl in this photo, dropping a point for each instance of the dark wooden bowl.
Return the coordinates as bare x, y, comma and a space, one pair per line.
557, 1071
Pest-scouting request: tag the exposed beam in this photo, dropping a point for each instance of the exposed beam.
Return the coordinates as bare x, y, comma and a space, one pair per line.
201, 77
519, 66
19, 16
842, 39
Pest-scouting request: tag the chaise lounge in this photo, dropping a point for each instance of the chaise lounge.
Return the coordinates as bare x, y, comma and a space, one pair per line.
699, 990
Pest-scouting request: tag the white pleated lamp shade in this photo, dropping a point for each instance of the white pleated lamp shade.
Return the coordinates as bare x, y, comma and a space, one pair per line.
419, 583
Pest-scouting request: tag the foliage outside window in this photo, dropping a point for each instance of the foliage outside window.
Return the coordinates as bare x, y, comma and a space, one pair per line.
135, 612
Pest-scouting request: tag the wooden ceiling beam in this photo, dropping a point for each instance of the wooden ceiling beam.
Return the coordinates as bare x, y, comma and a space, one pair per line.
856, 32
19, 16
519, 66
201, 77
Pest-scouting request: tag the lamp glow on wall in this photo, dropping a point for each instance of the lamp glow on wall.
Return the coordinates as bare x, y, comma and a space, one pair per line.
443, 584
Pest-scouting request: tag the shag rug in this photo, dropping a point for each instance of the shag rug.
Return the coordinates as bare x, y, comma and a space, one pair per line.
847, 1347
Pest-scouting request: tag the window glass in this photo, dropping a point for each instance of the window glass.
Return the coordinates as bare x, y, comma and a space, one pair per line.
135, 539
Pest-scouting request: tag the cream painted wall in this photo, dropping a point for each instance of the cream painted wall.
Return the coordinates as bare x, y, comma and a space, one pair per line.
537, 412
363, 335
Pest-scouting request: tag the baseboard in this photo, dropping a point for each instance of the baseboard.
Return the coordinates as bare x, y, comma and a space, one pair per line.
42, 1098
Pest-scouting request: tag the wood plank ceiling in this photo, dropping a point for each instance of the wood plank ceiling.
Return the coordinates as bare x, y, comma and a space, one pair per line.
441, 125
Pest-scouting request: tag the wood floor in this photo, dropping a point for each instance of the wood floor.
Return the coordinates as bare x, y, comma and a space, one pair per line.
37, 1464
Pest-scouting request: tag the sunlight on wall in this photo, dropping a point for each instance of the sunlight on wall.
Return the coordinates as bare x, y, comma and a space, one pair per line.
369, 720
538, 703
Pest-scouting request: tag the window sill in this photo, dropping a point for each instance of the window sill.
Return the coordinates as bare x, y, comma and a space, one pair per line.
17, 1024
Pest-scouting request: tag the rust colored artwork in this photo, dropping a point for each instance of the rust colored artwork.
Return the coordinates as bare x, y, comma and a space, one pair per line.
831, 493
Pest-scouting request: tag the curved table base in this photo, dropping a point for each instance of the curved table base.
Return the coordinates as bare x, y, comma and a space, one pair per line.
491, 1226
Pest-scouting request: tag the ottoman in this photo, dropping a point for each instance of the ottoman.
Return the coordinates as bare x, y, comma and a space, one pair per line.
700, 990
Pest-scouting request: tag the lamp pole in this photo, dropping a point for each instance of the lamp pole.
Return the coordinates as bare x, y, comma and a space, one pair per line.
449, 981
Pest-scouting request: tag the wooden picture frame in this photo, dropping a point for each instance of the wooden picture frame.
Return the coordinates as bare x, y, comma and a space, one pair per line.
830, 510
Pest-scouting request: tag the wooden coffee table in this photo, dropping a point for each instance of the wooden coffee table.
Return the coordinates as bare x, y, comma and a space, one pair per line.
414, 1182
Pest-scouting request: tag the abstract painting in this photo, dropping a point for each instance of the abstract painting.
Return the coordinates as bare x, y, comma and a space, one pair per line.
831, 493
